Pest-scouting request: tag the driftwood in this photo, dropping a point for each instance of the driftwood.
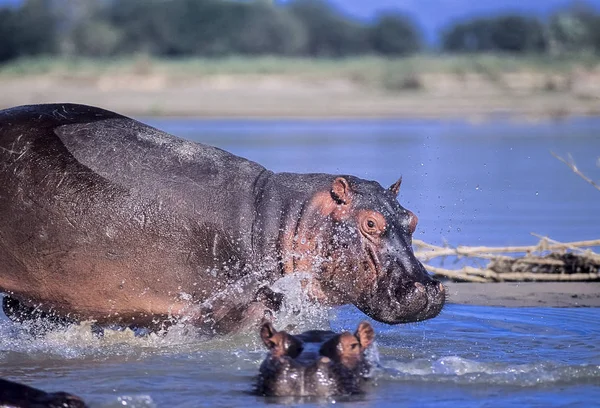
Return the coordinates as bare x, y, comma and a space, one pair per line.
548, 261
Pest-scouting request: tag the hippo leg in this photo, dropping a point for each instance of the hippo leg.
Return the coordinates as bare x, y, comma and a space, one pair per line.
238, 319
271, 299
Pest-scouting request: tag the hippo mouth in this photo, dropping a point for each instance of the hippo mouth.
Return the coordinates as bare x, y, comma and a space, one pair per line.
422, 301
416, 304
397, 299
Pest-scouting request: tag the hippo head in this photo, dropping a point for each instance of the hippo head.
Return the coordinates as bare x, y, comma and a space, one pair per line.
364, 239
314, 363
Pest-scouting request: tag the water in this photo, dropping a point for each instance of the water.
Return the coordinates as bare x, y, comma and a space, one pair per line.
489, 184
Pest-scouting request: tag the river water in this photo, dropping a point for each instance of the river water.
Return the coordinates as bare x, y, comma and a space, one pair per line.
489, 184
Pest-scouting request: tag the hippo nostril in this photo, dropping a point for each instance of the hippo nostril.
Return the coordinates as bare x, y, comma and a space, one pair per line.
420, 287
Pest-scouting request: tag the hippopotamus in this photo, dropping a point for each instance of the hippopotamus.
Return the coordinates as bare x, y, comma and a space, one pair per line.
15, 395
107, 219
314, 363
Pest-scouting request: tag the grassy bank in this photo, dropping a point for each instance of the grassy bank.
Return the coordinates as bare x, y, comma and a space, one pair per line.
425, 85
370, 70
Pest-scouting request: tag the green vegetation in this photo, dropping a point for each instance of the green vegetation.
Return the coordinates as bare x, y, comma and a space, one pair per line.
298, 28
392, 73
211, 28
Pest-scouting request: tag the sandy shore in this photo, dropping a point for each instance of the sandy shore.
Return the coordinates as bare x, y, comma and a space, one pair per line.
526, 294
272, 96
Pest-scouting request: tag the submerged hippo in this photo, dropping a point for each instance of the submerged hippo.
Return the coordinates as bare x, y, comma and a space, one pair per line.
15, 395
105, 218
314, 363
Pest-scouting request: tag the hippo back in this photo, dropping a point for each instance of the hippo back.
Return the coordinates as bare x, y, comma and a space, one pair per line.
102, 200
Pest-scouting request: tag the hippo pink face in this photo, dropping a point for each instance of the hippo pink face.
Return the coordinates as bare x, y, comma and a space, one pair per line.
365, 241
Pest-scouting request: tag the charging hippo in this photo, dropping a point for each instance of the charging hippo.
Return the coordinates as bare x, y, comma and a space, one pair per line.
105, 218
314, 363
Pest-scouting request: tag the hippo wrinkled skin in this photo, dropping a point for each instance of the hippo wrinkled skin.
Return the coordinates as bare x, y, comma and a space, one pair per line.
105, 218
314, 363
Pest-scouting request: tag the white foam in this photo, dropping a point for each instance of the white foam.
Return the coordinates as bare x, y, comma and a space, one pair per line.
78, 340
299, 312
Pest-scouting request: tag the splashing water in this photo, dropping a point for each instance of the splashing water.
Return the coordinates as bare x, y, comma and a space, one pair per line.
544, 356
298, 312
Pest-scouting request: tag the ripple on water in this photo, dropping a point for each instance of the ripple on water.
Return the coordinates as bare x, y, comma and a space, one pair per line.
459, 370
466, 347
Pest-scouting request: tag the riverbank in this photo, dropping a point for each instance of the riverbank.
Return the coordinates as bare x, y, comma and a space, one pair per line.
474, 88
526, 294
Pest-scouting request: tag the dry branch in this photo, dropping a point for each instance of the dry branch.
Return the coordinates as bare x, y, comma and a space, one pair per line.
573, 167
549, 260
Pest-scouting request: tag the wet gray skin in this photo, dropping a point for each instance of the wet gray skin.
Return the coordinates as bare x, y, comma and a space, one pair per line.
315, 363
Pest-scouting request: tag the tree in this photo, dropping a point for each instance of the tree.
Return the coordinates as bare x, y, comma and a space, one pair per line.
517, 34
574, 29
394, 34
146, 25
329, 34
8, 45
95, 38
211, 27
511, 33
267, 29
33, 29
473, 36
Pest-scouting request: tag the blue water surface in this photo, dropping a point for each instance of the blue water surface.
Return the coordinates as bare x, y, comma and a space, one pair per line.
489, 184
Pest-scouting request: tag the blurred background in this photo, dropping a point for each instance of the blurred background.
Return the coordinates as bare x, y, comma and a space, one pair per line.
378, 58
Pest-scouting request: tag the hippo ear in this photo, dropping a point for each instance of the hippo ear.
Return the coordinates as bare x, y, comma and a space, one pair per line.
365, 334
267, 331
340, 191
395, 188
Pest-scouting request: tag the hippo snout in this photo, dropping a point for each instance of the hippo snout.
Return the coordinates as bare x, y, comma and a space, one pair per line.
426, 299
403, 298
314, 363
416, 301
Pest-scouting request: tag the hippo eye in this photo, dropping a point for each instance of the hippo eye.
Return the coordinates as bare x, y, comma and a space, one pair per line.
370, 226
371, 223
